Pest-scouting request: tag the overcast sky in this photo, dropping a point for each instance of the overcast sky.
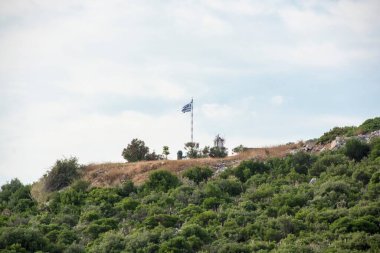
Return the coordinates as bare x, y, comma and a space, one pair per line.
83, 78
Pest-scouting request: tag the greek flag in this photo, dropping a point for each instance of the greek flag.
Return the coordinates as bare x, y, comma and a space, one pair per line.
188, 107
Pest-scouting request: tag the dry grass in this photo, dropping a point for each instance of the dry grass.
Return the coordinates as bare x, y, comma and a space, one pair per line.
110, 174
38, 191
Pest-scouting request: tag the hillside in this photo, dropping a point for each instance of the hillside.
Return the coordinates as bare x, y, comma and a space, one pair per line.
304, 197
111, 174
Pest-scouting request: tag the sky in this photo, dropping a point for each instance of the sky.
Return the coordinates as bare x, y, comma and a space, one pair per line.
84, 77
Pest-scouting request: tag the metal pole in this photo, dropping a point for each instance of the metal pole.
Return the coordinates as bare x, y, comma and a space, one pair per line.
192, 119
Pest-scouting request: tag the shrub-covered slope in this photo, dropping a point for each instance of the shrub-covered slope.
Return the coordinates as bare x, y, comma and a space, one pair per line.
301, 203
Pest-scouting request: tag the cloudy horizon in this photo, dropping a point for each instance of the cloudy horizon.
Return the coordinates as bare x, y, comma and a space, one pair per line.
83, 78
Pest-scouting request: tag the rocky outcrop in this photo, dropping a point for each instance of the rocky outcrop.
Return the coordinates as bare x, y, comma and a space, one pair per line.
311, 146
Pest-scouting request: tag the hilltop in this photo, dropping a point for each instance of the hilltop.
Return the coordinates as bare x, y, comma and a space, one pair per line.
314, 196
114, 174
111, 174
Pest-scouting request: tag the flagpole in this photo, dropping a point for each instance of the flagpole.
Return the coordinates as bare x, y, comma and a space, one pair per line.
192, 119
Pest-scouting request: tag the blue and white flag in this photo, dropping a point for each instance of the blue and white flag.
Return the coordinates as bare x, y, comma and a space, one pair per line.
188, 107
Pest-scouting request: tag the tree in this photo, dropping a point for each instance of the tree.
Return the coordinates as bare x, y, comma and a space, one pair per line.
165, 151
63, 173
136, 151
218, 152
192, 149
153, 156
206, 151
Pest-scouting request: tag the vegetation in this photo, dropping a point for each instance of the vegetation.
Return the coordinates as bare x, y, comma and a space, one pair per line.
356, 149
257, 206
192, 149
165, 151
63, 173
239, 149
368, 126
218, 152
198, 174
335, 132
137, 151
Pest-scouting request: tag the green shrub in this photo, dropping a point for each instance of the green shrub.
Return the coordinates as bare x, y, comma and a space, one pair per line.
63, 173
127, 188
335, 132
232, 186
323, 162
110, 242
234, 247
195, 230
217, 152
127, 204
300, 162
16, 197
162, 180
375, 148
74, 248
356, 149
178, 244
348, 224
248, 168
239, 149
211, 203
198, 174
10, 188
369, 125
95, 228
374, 186
161, 219
30, 239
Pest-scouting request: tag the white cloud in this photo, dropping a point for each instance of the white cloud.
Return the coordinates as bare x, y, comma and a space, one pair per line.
218, 111
277, 100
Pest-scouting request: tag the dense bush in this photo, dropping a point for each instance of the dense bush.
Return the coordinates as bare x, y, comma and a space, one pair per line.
369, 125
335, 132
239, 149
63, 173
198, 174
325, 161
246, 169
356, 149
162, 181
217, 152
375, 148
25, 239
16, 197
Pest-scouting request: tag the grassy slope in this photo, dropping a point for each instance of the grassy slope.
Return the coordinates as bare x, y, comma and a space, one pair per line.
110, 174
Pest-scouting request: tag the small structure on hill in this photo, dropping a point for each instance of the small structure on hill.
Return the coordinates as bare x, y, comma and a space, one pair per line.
219, 142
